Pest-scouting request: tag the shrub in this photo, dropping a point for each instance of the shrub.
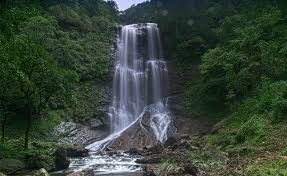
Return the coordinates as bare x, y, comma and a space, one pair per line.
255, 128
272, 100
167, 167
272, 167
222, 139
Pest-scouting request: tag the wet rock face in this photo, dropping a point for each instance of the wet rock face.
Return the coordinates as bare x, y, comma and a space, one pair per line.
171, 141
178, 141
190, 169
41, 172
134, 151
138, 136
62, 161
77, 151
83, 173
151, 150
81, 134
10, 165
36, 162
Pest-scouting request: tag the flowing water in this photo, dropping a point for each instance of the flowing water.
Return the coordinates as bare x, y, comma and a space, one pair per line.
140, 85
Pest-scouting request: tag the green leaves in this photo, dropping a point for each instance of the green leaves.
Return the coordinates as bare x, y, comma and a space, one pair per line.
47, 50
255, 128
36, 75
196, 47
251, 53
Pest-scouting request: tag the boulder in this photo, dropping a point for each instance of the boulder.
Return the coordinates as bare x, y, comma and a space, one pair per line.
178, 141
134, 151
83, 173
11, 165
190, 169
219, 126
139, 135
77, 151
154, 160
149, 173
182, 145
178, 156
113, 153
155, 149
61, 159
1, 174
185, 137
35, 162
171, 141
41, 172
149, 170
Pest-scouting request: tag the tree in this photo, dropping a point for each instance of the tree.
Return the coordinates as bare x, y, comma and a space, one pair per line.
254, 50
8, 91
113, 5
40, 80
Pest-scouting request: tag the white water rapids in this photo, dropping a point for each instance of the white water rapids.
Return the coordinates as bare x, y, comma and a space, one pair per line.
140, 86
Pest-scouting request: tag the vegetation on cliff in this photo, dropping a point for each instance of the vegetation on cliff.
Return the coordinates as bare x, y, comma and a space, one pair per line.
54, 60
231, 58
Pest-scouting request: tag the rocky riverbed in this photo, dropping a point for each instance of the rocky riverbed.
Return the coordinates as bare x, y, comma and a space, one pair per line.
145, 161
134, 153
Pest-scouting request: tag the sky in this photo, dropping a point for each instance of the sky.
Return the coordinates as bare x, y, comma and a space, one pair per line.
125, 4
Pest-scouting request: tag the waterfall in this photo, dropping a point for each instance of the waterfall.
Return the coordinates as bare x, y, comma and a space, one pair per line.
139, 88
140, 81
128, 86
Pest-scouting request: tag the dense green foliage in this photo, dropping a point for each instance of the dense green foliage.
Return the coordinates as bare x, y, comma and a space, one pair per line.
53, 55
228, 47
230, 55
232, 61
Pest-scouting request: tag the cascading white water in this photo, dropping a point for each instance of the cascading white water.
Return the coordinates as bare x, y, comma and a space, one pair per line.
140, 86
140, 81
128, 87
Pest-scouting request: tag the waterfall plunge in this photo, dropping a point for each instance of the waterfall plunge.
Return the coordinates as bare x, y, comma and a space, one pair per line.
140, 82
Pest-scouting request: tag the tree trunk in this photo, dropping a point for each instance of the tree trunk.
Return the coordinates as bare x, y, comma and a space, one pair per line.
27, 131
29, 123
3, 129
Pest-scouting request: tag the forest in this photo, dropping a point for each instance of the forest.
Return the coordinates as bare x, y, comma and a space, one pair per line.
229, 58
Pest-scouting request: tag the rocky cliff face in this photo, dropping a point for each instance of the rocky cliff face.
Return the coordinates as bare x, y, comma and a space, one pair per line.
137, 136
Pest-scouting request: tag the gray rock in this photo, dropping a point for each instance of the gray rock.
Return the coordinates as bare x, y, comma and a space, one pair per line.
134, 151
151, 160
77, 151
41, 172
190, 169
219, 126
83, 173
61, 159
11, 165
151, 150
83, 134
171, 141
1, 174
138, 136
35, 162
149, 170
